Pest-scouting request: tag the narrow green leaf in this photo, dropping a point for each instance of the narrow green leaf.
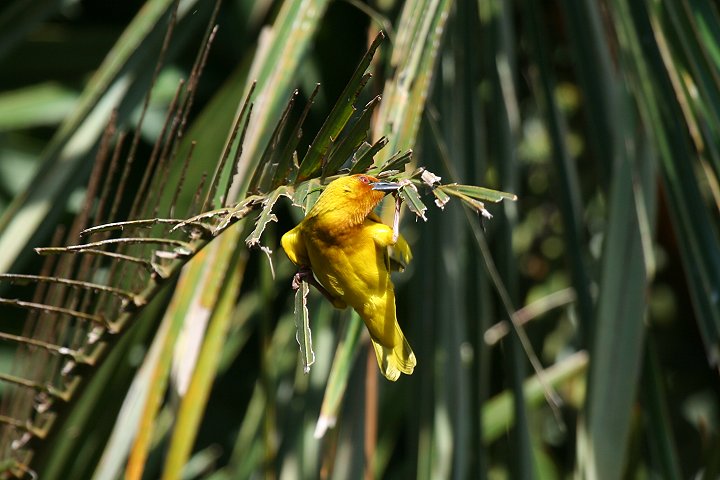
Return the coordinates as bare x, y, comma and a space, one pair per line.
396, 162
704, 74
618, 336
411, 197
343, 151
476, 205
303, 335
420, 31
660, 435
306, 194
340, 371
441, 198
266, 215
364, 157
708, 21
480, 193
267, 168
221, 287
287, 168
339, 116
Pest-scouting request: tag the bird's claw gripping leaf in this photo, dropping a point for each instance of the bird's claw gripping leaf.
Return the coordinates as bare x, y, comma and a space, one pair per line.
305, 274
346, 247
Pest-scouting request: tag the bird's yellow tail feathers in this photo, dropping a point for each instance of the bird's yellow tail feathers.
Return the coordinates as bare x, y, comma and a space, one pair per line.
396, 360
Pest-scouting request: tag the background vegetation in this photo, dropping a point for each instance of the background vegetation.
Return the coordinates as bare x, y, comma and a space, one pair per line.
602, 116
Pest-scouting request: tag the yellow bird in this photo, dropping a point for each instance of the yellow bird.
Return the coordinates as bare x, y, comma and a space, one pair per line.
346, 246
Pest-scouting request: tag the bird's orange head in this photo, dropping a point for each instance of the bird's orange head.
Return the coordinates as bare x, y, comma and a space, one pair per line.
352, 197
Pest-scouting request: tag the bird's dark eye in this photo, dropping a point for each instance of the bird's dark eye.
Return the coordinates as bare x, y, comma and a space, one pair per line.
364, 179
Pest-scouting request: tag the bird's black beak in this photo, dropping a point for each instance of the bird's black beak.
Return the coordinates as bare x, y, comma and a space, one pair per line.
386, 186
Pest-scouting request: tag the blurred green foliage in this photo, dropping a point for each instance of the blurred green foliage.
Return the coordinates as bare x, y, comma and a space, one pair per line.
603, 117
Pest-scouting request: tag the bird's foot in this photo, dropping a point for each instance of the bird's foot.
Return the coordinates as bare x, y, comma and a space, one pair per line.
305, 274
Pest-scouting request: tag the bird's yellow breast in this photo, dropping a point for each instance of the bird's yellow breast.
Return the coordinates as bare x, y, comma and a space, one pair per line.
351, 266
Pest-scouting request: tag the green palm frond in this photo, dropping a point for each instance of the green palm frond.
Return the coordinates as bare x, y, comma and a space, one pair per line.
154, 156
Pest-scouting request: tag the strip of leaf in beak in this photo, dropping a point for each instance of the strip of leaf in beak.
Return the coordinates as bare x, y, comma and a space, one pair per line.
386, 186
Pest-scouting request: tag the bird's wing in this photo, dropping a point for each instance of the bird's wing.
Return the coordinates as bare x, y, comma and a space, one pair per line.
399, 252
294, 245
381, 234
393, 351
